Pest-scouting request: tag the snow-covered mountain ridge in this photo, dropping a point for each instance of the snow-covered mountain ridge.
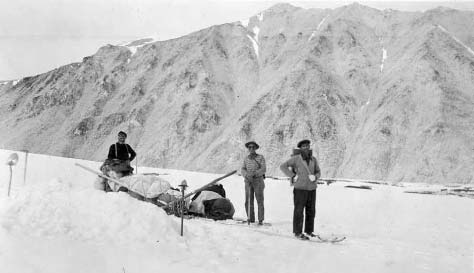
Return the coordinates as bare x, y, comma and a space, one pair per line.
384, 95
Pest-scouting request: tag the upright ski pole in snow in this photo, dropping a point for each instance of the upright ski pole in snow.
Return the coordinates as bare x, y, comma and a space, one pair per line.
183, 187
12, 160
26, 164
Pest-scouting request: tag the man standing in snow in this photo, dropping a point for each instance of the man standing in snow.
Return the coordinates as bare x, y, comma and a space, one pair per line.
253, 170
304, 167
122, 153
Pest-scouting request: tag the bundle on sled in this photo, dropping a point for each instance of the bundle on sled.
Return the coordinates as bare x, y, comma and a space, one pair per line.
113, 168
212, 203
118, 176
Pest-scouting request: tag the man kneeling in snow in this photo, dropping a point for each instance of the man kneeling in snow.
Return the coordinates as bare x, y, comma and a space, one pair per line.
211, 203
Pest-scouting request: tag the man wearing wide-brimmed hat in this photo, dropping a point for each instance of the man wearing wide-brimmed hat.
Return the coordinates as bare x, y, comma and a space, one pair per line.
253, 170
305, 168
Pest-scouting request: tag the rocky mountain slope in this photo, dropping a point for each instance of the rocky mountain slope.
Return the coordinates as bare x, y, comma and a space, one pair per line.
382, 95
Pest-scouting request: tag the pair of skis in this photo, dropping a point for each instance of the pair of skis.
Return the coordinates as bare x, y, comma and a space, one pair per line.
268, 229
331, 240
320, 239
315, 239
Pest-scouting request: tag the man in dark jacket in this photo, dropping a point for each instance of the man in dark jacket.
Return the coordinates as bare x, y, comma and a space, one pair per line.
121, 154
121, 150
117, 163
305, 168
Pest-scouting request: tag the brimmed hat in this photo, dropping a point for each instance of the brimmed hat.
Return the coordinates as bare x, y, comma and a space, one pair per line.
250, 143
305, 141
122, 133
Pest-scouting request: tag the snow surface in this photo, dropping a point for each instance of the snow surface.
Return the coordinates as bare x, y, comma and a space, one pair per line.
456, 39
58, 222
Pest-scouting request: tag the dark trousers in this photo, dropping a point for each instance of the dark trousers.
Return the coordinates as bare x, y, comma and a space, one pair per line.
254, 188
304, 201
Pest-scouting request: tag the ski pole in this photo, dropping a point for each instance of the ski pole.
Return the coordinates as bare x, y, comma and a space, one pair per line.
26, 164
12, 160
10, 182
183, 187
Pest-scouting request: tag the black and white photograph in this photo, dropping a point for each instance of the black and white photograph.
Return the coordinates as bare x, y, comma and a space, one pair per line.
144, 136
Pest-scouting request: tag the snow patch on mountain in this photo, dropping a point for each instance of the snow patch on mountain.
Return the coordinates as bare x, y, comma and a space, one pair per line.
318, 27
245, 22
456, 39
254, 39
384, 56
322, 22
135, 45
254, 43
256, 31
260, 16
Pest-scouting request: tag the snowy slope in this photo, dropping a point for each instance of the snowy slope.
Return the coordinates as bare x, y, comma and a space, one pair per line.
57, 222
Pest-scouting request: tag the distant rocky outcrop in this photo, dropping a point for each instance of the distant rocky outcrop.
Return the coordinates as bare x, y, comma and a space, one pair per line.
384, 95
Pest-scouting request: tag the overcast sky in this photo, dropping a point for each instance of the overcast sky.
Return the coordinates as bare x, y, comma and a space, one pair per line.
39, 35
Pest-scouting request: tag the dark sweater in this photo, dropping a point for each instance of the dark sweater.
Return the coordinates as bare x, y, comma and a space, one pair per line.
121, 151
